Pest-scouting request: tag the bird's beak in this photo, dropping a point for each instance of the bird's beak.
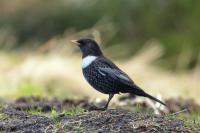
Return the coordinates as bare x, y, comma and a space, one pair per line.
75, 42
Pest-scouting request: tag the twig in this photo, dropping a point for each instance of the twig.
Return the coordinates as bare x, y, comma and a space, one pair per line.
181, 111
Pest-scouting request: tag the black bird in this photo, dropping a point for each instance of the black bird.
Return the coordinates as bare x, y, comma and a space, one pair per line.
103, 75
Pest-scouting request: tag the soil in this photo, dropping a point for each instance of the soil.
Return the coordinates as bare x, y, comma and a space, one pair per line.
19, 117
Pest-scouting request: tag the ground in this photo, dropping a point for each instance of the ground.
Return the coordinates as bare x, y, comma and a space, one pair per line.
33, 114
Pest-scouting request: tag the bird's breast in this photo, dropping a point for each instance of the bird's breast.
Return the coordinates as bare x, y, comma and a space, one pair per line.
98, 79
88, 60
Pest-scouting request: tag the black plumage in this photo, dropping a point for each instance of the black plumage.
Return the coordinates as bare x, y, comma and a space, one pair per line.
105, 76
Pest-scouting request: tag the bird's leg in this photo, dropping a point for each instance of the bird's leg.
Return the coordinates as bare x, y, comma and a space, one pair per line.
109, 99
106, 106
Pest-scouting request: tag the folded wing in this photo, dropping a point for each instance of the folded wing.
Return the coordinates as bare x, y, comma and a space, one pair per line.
117, 75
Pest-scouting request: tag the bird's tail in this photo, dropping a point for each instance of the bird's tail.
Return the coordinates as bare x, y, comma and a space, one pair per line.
138, 91
153, 98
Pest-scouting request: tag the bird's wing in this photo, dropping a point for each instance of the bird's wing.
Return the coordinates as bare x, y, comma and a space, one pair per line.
116, 75
112, 71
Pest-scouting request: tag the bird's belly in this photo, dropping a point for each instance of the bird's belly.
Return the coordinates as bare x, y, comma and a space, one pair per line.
100, 81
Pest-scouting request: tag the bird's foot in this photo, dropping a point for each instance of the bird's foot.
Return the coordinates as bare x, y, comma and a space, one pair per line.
93, 108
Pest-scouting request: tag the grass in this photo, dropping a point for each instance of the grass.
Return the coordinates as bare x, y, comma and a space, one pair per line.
115, 119
3, 116
57, 123
34, 111
191, 120
54, 113
74, 111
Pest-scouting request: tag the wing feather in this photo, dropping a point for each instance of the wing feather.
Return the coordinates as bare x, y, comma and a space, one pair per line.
109, 69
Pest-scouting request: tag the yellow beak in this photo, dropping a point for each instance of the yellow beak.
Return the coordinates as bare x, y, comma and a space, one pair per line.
75, 41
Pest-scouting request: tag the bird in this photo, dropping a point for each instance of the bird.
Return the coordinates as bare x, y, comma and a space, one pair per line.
103, 75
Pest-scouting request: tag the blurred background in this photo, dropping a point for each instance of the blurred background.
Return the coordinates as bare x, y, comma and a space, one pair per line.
156, 42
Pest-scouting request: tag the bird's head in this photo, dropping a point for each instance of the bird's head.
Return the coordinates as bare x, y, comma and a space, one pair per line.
88, 47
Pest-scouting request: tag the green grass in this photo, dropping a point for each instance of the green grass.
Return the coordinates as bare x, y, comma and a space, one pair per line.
37, 111
3, 116
54, 113
191, 119
74, 111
